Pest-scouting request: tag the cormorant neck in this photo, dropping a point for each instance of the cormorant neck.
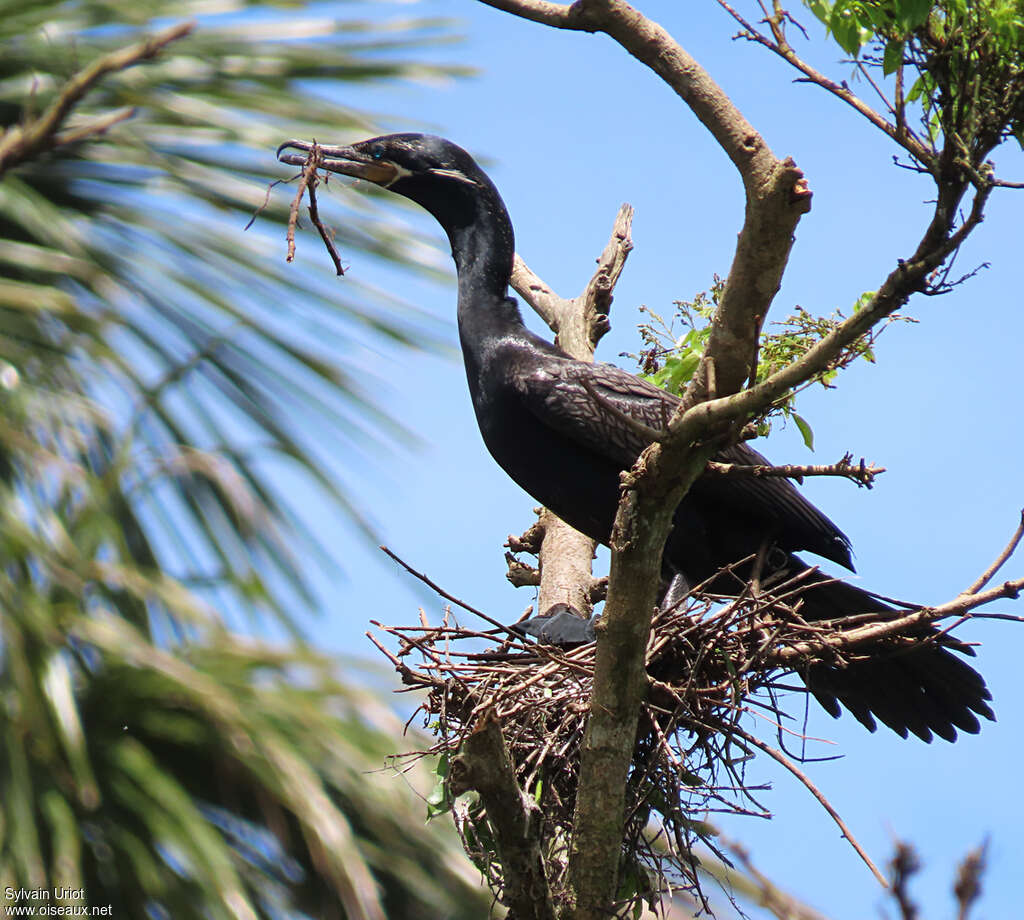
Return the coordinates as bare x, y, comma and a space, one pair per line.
483, 247
483, 252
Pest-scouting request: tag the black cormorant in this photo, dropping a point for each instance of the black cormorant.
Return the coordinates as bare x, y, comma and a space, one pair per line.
549, 422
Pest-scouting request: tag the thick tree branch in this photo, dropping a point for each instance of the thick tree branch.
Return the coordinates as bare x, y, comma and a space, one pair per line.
22, 142
565, 554
776, 197
484, 764
718, 399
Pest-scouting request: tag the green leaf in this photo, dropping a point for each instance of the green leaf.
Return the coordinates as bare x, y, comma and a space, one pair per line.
805, 430
864, 300
913, 13
677, 371
916, 90
822, 9
439, 801
893, 57
845, 29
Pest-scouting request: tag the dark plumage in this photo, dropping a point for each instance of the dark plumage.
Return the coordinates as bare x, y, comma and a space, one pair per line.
546, 420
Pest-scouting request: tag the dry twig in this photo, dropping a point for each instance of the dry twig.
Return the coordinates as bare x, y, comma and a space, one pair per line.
308, 181
860, 473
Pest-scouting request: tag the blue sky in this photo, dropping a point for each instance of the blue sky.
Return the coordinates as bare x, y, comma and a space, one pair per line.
570, 126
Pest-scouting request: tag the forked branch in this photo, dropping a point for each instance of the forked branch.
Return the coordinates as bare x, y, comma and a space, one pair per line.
25, 141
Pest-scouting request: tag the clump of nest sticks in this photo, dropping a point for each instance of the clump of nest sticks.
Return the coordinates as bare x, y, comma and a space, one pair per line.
309, 178
710, 661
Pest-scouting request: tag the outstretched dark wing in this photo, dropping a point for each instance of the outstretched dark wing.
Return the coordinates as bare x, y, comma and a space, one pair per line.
593, 403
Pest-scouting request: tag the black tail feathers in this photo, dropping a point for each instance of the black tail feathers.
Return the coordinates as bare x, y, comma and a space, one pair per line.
927, 689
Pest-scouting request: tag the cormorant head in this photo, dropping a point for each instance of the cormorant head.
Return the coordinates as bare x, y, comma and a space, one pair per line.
433, 172
418, 166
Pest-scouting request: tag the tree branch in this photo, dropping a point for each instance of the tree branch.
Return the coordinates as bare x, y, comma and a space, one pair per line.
565, 554
484, 764
22, 142
794, 653
859, 473
579, 323
1000, 561
714, 404
780, 46
800, 775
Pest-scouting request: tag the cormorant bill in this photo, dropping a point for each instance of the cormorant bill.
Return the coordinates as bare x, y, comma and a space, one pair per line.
541, 422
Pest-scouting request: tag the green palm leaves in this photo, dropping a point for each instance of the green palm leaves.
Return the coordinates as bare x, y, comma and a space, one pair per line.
158, 369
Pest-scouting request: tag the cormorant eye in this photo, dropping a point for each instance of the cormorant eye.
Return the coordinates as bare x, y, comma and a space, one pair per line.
377, 153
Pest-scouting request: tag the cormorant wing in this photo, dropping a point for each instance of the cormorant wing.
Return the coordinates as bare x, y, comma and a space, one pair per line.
800, 525
590, 403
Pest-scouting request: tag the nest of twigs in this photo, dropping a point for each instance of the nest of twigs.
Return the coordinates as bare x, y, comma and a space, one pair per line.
709, 662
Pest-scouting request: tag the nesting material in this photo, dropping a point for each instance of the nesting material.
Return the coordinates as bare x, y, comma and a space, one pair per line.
710, 663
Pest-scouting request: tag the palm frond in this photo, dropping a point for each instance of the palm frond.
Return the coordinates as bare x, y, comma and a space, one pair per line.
128, 278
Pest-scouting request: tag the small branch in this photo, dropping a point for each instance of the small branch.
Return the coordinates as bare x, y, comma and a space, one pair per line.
308, 181
780, 758
484, 764
307, 176
1001, 559
521, 575
791, 654
22, 142
448, 597
314, 216
860, 473
579, 323
783, 49
530, 540
968, 880
93, 128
